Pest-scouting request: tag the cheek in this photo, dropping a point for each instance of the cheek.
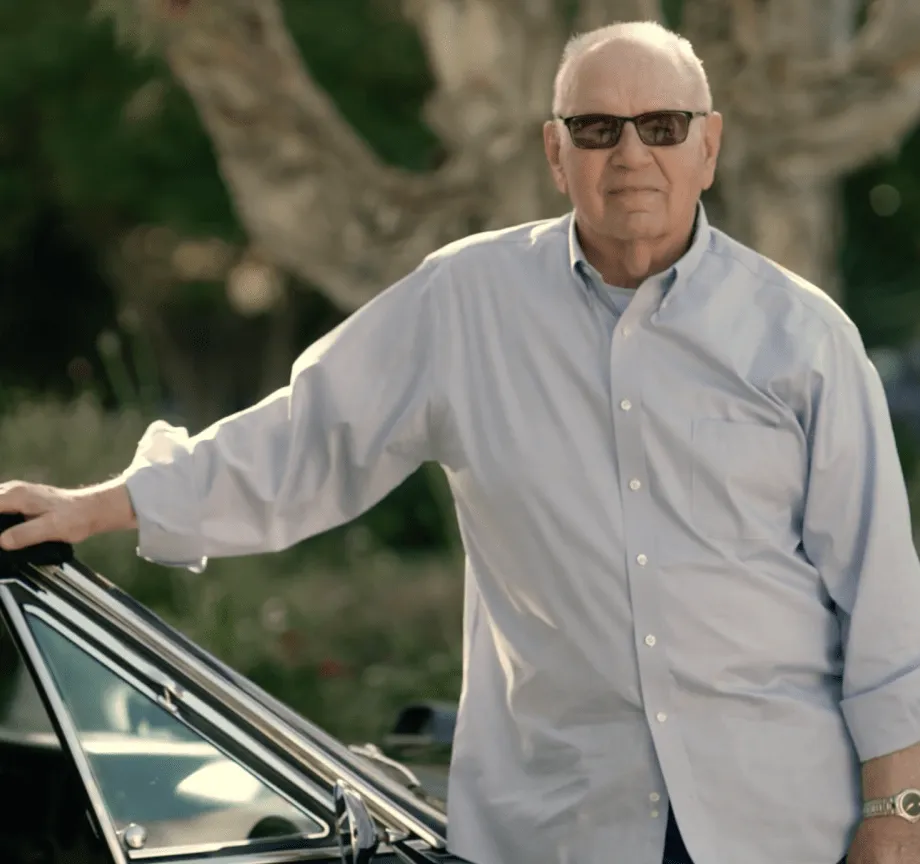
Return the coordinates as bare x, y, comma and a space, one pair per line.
584, 171
685, 176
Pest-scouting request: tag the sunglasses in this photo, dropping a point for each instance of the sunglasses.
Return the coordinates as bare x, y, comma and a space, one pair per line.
655, 128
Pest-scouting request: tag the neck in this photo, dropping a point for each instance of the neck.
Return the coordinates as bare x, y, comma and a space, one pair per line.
628, 263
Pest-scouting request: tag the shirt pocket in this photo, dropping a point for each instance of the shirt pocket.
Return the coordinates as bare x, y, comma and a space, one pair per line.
747, 479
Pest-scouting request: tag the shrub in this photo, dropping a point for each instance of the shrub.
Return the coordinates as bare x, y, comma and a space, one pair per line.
346, 644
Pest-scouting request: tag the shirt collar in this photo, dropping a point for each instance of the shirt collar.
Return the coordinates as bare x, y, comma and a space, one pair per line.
677, 273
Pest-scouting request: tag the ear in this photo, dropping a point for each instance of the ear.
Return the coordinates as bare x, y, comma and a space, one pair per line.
712, 143
552, 144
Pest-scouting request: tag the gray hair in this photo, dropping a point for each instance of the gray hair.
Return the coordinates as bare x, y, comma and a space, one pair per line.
642, 32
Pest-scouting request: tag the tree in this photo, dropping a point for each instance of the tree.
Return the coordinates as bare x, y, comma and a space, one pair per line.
810, 90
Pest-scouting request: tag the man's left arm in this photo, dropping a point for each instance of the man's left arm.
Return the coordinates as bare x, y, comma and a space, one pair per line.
857, 532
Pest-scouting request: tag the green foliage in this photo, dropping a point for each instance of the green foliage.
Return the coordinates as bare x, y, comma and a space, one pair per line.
673, 12
65, 443
346, 644
98, 129
880, 252
68, 90
372, 64
96, 138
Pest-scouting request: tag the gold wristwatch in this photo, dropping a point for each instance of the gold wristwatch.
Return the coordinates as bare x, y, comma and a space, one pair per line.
905, 804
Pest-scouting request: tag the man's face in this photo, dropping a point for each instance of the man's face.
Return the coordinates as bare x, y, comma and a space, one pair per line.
633, 192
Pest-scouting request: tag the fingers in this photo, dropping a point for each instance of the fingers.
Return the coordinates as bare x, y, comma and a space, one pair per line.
26, 499
30, 533
13, 497
29, 499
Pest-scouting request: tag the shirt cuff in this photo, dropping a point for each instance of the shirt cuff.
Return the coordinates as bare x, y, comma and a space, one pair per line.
886, 719
161, 484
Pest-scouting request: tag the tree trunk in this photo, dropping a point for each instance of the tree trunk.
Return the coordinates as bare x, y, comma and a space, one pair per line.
212, 360
795, 226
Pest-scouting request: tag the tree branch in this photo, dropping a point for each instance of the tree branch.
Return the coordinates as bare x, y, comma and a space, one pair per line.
866, 119
598, 13
310, 193
817, 99
494, 63
864, 99
891, 38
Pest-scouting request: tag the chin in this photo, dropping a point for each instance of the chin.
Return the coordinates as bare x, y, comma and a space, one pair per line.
635, 226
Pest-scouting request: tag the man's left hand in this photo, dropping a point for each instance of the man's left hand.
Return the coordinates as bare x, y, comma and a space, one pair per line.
885, 840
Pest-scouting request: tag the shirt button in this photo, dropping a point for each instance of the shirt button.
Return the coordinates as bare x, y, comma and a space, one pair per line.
626, 331
641, 560
654, 814
635, 485
654, 797
650, 640
661, 716
626, 404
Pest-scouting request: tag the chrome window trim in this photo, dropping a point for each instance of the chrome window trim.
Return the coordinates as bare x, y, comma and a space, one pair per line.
62, 716
173, 694
129, 657
286, 856
231, 852
90, 591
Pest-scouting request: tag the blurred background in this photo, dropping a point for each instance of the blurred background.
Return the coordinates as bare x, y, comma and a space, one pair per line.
192, 191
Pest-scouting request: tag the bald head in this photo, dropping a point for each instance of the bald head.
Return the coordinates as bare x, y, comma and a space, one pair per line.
644, 57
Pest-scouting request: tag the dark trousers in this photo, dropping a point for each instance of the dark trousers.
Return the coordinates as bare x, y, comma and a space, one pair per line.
674, 850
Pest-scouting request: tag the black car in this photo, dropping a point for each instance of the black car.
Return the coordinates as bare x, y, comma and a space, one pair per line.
121, 740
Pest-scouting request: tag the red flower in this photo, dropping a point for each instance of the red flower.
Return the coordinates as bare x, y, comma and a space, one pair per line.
292, 645
177, 7
331, 669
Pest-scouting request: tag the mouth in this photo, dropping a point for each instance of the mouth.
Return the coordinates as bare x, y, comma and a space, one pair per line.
631, 190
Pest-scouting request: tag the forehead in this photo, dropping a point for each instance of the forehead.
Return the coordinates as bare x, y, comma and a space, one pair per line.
627, 78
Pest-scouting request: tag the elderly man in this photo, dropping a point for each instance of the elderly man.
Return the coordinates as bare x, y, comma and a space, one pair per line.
692, 597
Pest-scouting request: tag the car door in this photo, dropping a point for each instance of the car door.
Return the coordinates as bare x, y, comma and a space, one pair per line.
110, 760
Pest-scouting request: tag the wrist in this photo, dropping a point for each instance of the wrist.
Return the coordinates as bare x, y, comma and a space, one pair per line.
891, 774
109, 507
889, 828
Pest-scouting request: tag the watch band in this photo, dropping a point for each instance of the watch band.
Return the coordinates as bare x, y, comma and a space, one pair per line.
880, 807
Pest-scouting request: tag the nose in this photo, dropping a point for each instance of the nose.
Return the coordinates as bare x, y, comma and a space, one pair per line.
630, 151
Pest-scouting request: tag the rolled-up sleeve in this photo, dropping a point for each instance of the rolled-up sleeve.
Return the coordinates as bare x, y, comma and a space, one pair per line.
354, 421
857, 532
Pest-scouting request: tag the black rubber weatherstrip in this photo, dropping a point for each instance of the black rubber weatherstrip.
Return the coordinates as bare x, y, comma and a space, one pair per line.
44, 554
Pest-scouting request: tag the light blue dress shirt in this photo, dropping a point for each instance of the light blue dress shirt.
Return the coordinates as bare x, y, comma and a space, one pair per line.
690, 579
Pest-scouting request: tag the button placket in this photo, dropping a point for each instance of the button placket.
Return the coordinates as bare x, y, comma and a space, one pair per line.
641, 572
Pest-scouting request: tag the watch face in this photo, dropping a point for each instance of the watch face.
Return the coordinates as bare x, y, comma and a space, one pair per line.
911, 803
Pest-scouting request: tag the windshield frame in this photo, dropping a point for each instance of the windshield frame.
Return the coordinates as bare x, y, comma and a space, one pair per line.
21, 604
320, 755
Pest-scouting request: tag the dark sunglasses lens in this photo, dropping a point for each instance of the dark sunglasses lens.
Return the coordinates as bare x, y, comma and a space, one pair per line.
663, 128
596, 133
